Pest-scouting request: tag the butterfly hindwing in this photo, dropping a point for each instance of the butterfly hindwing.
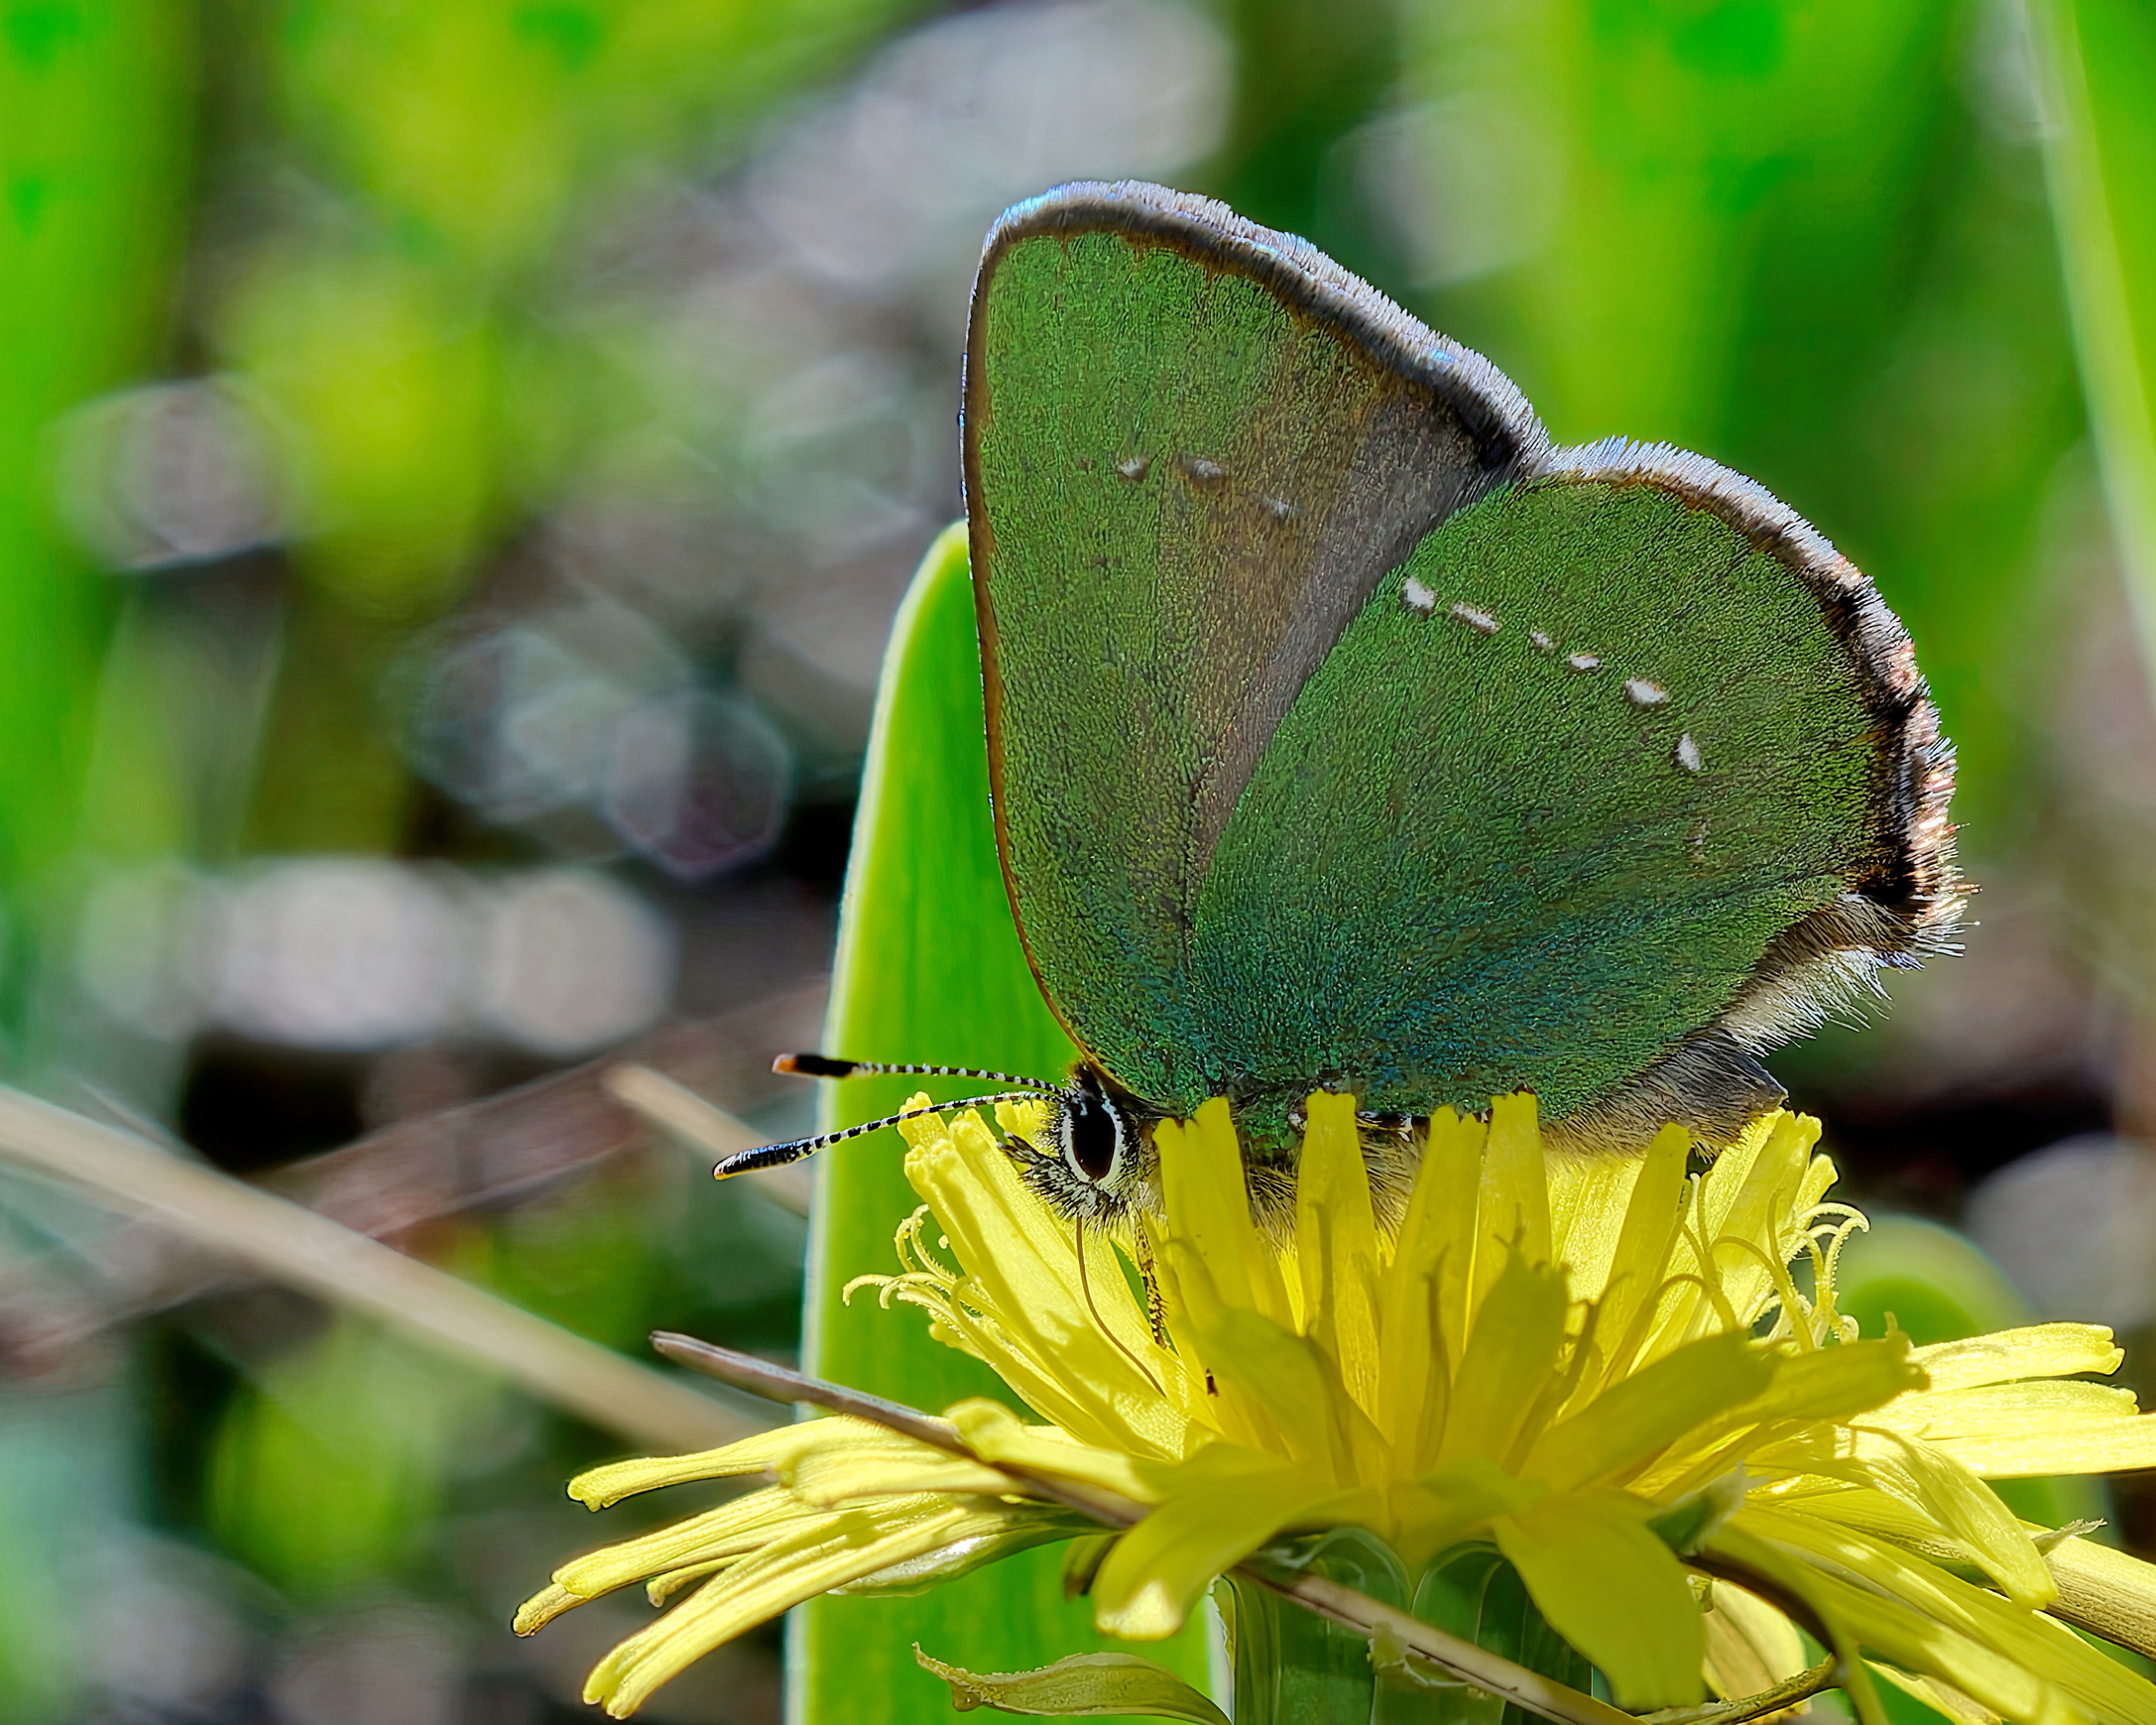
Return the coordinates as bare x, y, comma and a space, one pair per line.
1193, 449
1622, 777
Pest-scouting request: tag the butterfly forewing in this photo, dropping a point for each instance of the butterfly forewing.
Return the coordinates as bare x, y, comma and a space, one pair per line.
1192, 452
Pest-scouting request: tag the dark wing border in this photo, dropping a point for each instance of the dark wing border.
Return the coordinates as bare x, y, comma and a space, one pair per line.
1909, 901
1914, 879
1497, 415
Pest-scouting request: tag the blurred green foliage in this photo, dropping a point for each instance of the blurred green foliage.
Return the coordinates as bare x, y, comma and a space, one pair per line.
399, 329
2098, 69
1809, 242
330, 1471
2096, 66
95, 156
1814, 239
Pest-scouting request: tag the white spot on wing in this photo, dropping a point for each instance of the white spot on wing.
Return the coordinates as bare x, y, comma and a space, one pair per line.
1135, 468
1417, 598
1688, 754
1482, 622
1584, 661
1641, 693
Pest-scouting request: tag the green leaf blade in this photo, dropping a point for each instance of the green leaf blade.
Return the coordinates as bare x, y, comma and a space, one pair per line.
929, 968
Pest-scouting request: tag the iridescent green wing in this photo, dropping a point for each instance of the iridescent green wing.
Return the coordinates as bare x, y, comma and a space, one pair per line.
1193, 449
1621, 778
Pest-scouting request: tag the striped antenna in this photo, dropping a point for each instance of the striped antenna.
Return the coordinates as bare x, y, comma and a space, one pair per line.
827, 1066
779, 1155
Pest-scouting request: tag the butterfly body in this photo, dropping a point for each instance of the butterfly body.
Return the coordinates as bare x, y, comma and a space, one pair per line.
1344, 734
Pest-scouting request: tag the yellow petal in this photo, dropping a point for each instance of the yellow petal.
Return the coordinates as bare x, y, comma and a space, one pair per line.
598, 1487
664, 1586
1336, 1244
1760, 1191
1293, 1379
1440, 1207
834, 1550
1862, 1506
746, 1524
1513, 1208
1627, 1276
1511, 1355
1451, 1179
543, 1607
825, 1478
2004, 1410
1274, 1389
1751, 1645
1188, 1305
1612, 1590
1226, 1504
1857, 1618
1421, 1315
1413, 1374
1809, 1389
1643, 1413
1589, 1198
993, 1432
1068, 1337
1917, 1615
2116, 1446
1942, 1698
2041, 1350
1206, 1199
2099, 1588
1452, 1501
1025, 1527
1964, 1507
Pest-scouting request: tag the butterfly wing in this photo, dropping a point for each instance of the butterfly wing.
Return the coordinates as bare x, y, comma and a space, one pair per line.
1193, 449
1623, 776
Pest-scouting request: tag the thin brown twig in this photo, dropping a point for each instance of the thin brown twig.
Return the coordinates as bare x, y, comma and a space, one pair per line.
295, 1245
494, 1152
1787, 1693
778, 1383
679, 1110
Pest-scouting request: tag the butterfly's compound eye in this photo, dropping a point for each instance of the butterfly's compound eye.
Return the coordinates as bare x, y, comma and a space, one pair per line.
1092, 1134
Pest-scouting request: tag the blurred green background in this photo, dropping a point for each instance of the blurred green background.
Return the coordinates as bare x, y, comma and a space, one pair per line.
458, 464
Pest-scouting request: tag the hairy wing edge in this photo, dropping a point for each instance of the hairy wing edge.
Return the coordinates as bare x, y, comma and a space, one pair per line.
1909, 898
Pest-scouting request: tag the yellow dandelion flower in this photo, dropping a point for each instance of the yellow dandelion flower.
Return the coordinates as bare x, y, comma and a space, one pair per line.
1600, 1373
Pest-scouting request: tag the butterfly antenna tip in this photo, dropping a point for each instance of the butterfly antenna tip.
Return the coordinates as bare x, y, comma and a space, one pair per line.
807, 1065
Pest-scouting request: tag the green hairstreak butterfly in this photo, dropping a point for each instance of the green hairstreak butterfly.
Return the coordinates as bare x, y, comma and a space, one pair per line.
1345, 734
